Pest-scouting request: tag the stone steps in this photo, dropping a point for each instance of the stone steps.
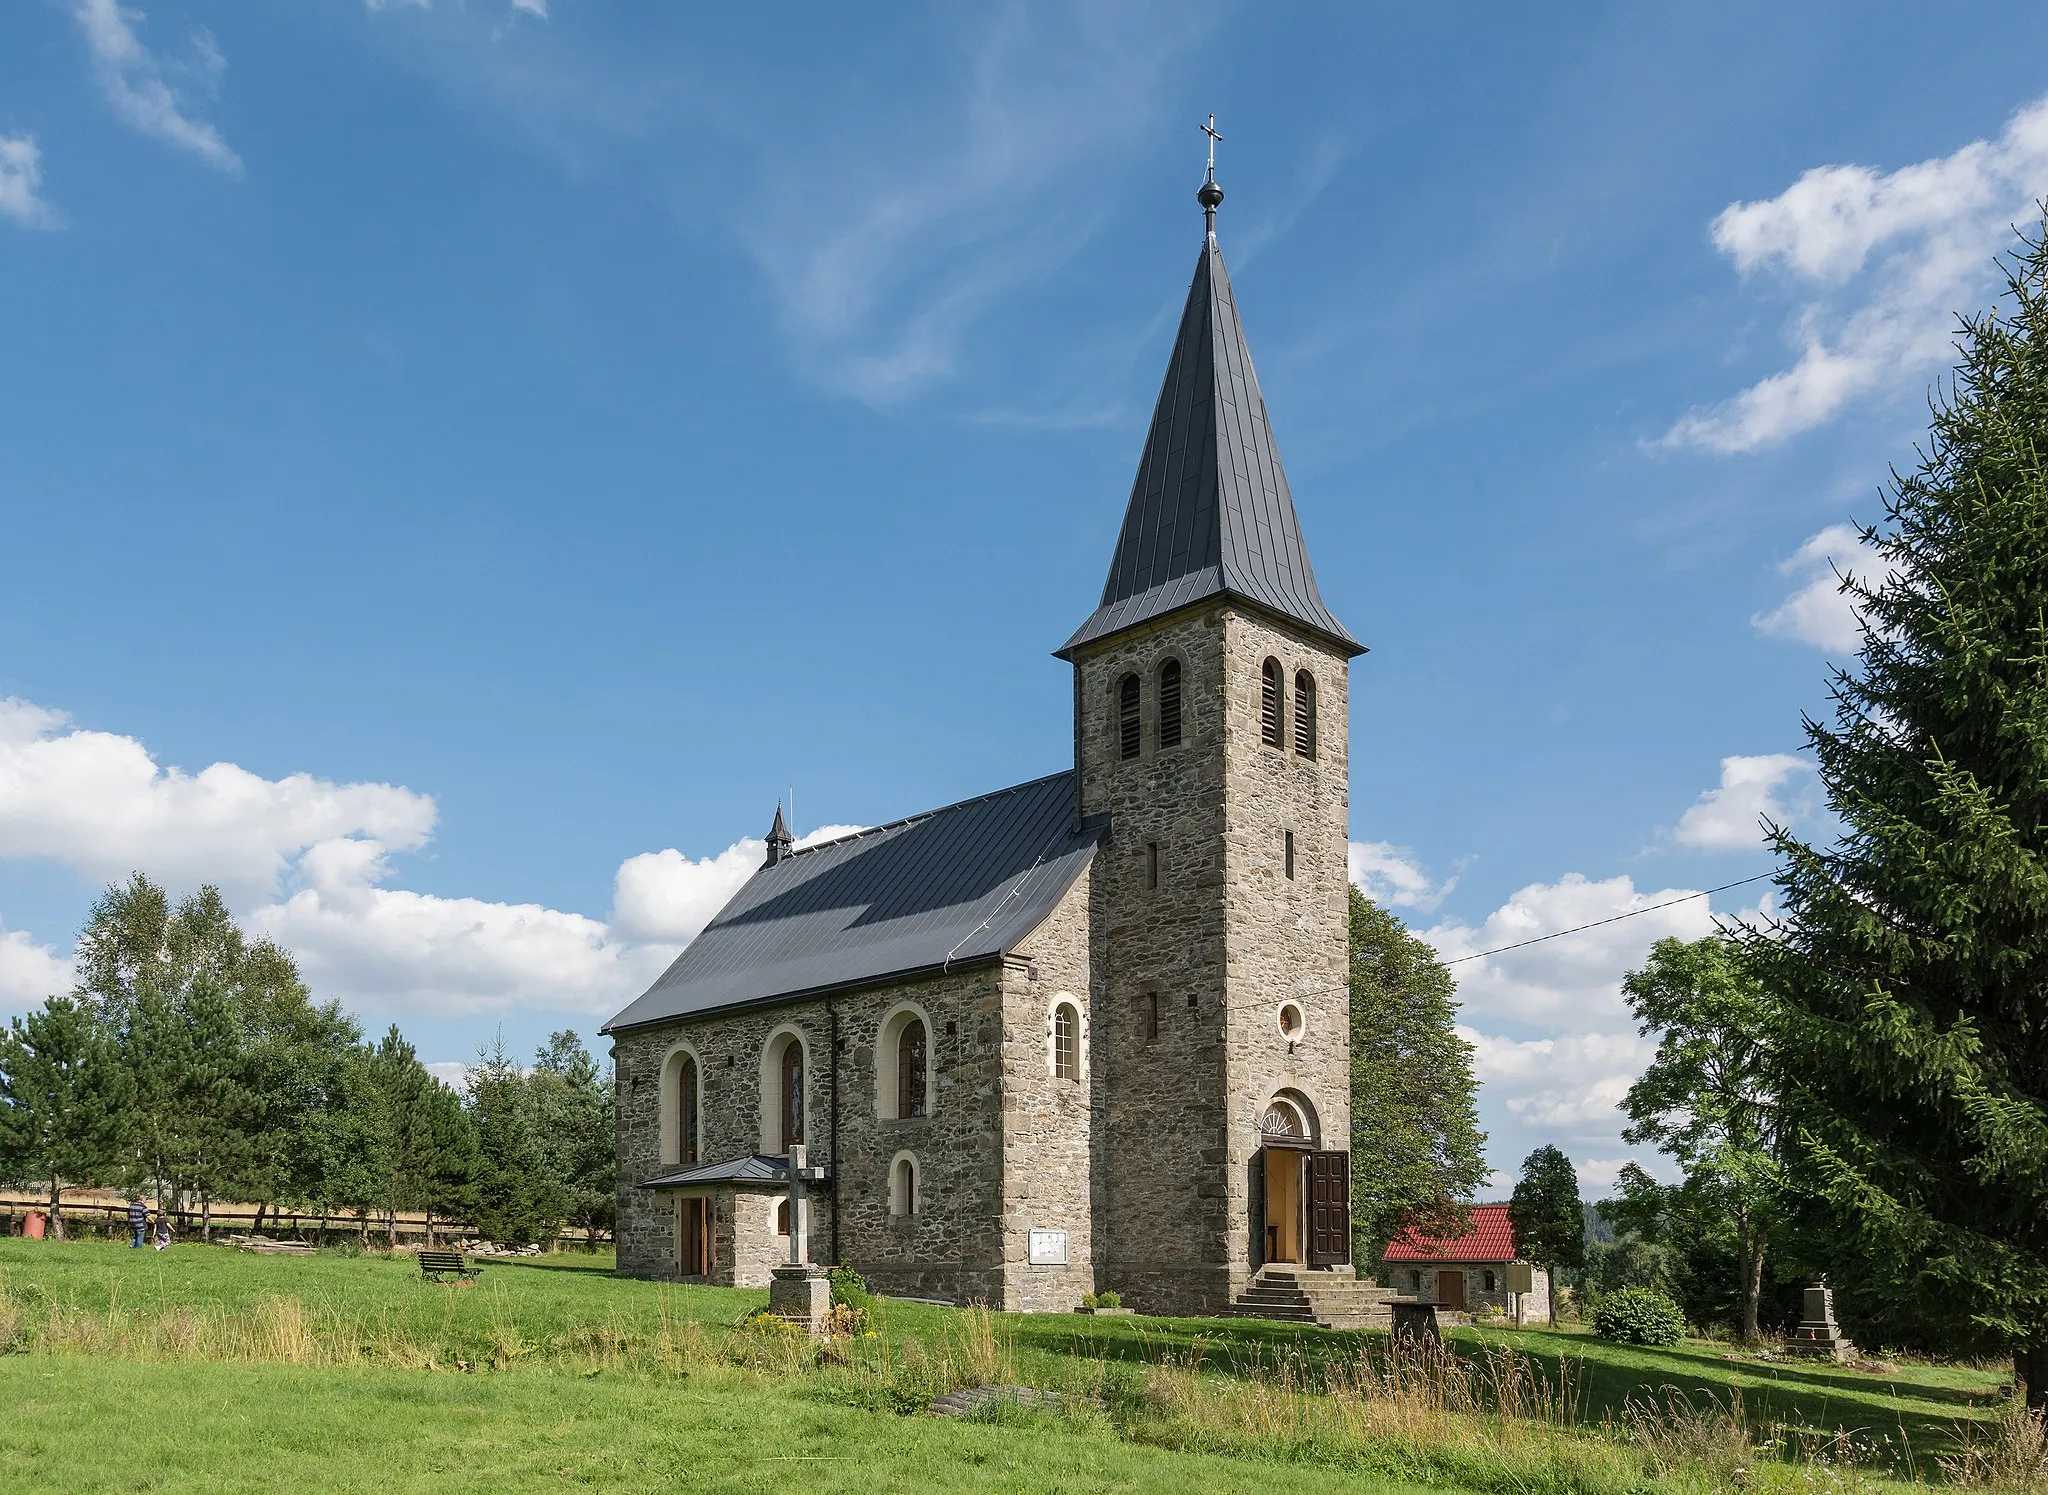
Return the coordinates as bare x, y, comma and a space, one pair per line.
1292, 1296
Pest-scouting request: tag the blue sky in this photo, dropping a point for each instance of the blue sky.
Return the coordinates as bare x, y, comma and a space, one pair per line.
460, 463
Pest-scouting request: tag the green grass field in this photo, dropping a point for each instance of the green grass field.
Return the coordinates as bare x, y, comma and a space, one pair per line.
203, 1368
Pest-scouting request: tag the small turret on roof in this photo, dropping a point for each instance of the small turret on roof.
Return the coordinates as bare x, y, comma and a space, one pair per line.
780, 841
1210, 512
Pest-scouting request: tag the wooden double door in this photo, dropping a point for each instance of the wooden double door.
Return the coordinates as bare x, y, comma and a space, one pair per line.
1307, 1214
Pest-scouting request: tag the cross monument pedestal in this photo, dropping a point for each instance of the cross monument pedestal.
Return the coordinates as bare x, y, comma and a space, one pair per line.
1818, 1336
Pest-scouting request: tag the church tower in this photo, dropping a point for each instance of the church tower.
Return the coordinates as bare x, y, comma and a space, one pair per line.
1211, 726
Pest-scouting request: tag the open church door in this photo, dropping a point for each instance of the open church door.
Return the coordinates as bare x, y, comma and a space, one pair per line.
1329, 1208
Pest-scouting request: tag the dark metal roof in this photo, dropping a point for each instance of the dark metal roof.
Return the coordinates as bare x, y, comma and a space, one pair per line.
759, 1169
946, 888
1210, 512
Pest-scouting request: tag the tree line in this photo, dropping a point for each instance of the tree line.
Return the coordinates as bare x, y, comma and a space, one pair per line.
191, 1063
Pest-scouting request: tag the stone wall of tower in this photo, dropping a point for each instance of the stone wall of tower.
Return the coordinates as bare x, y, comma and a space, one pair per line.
1222, 940
1287, 937
1162, 1206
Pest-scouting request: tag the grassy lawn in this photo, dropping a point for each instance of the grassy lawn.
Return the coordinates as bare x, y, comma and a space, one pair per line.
551, 1372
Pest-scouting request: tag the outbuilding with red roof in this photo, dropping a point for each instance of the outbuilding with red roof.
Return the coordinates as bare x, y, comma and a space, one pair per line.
1467, 1273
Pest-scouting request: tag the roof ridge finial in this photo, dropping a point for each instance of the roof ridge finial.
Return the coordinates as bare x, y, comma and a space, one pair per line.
1211, 194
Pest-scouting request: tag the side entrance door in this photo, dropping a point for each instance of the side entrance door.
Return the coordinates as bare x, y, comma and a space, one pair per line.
1450, 1288
1329, 1208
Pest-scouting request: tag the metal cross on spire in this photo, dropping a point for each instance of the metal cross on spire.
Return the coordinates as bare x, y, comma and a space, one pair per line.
1211, 194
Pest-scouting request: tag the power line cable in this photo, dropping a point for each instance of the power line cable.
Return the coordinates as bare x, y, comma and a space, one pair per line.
1611, 919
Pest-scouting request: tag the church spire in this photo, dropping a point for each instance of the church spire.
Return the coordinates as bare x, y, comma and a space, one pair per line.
1210, 512
780, 841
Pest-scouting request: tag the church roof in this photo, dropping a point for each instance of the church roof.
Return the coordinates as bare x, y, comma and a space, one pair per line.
938, 890
1210, 512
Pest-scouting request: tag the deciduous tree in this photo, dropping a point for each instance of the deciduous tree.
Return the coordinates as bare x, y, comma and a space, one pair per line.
1417, 1153
1550, 1223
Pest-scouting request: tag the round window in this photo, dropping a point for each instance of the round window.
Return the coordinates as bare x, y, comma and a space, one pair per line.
1292, 1023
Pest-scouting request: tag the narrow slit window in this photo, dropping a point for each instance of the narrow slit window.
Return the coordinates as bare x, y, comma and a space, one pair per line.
1151, 1015
1305, 714
1169, 704
1128, 725
1290, 856
1151, 864
1271, 708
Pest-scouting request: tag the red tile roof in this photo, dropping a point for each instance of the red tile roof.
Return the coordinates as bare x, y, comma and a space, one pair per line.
1492, 1238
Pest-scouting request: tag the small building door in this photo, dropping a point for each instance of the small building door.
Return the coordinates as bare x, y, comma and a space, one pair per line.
693, 1238
1283, 1204
1329, 1208
1450, 1287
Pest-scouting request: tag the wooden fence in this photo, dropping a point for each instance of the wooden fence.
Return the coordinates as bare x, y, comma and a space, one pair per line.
97, 1212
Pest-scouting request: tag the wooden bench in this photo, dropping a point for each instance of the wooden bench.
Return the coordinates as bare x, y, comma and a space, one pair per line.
435, 1265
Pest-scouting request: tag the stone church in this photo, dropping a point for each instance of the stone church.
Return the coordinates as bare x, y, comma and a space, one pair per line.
1087, 1032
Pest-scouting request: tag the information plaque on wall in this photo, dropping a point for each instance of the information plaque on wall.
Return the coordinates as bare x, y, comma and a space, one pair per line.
1048, 1248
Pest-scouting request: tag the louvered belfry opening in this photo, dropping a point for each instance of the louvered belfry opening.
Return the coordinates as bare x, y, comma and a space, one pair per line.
1129, 731
1305, 714
1169, 704
910, 1070
1270, 713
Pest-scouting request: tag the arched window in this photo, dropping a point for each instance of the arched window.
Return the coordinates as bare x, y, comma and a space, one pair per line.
1128, 728
910, 1070
686, 1110
1066, 1042
903, 1186
1282, 1119
1169, 704
782, 1218
1489, 1281
792, 1094
1305, 714
1272, 710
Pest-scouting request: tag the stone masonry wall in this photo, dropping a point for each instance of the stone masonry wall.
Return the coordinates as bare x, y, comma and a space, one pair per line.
1288, 938
1160, 1201
953, 1247
1047, 1122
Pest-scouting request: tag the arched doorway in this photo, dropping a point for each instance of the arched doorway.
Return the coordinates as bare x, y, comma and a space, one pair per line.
1286, 1143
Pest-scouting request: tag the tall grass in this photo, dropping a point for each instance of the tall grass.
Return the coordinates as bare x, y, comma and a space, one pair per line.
1495, 1420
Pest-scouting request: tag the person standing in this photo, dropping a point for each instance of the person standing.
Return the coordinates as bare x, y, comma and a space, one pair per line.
138, 1221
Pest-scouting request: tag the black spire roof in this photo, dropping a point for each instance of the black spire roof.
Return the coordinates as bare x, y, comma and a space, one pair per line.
1210, 513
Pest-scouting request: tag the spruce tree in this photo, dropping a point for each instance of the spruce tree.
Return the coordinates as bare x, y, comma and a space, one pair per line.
64, 1100
1417, 1153
1912, 960
1550, 1223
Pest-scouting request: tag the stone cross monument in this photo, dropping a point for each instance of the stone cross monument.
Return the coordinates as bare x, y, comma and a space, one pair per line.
799, 1290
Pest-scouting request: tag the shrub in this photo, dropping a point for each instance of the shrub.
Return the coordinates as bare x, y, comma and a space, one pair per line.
1638, 1315
1110, 1299
850, 1289
1090, 1300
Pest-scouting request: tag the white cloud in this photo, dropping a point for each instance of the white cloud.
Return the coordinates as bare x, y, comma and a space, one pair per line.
537, 8
140, 85
21, 180
29, 972
102, 805
1571, 1084
1774, 786
1391, 876
450, 1072
1892, 259
306, 862
665, 896
1574, 980
1820, 612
